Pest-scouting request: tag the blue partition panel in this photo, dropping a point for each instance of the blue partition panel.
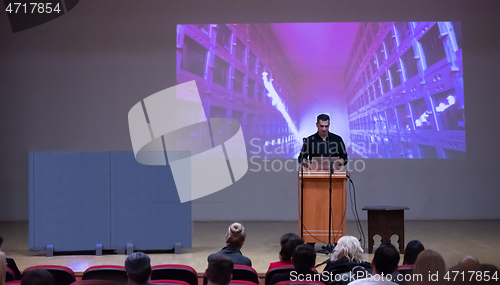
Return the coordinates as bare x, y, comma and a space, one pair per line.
80, 199
69, 200
145, 207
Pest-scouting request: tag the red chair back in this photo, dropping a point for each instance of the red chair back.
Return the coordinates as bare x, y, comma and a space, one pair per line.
241, 282
246, 273
168, 282
115, 273
300, 283
96, 282
277, 270
10, 275
175, 272
15, 282
62, 275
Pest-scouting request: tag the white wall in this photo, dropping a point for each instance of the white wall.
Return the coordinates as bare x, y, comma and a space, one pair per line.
68, 85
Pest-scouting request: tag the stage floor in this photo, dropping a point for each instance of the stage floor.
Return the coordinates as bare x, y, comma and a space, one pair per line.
452, 239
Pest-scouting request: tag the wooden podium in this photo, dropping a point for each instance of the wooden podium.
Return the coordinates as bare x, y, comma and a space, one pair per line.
315, 206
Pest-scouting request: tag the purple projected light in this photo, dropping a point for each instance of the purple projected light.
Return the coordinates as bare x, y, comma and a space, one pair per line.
278, 103
392, 89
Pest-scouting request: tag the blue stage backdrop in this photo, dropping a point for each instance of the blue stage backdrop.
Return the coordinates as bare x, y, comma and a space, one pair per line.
80, 199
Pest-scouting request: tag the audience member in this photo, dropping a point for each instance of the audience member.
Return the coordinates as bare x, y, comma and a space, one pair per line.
491, 271
235, 238
413, 248
430, 266
466, 264
138, 267
37, 277
11, 263
346, 255
288, 243
303, 259
3, 268
220, 269
385, 261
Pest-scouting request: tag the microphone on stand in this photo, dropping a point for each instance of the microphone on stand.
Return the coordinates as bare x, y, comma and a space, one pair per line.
301, 153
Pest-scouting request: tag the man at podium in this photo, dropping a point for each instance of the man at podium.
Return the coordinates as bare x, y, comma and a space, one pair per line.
318, 144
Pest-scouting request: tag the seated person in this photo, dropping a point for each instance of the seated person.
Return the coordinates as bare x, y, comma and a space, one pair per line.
11, 263
220, 269
37, 277
346, 255
288, 244
385, 262
490, 270
413, 248
138, 268
466, 264
235, 238
429, 262
303, 259
3, 268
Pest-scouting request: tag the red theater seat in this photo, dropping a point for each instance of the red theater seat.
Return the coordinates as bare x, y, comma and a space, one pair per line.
62, 275
168, 282
114, 273
10, 275
175, 272
277, 270
246, 273
300, 283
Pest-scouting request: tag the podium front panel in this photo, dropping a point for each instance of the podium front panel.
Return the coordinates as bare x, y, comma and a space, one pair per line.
316, 197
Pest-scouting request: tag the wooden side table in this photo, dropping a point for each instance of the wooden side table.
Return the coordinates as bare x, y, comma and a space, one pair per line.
386, 221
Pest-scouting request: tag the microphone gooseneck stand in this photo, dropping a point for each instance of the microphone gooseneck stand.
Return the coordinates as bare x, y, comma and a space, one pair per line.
328, 249
302, 190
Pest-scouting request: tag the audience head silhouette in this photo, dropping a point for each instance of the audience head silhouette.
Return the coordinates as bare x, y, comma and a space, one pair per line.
235, 236
304, 258
138, 267
413, 248
386, 259
37, 277
429, 262
288, 243
348, 247
3, 267
219, 271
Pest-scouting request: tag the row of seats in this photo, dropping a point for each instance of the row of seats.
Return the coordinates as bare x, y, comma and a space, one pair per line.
107, 282
175, 274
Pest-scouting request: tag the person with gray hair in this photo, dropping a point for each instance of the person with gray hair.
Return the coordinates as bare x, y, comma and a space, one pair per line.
138, 268
346, 255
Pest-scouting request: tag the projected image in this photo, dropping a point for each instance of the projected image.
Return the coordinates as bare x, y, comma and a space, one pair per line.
391, 89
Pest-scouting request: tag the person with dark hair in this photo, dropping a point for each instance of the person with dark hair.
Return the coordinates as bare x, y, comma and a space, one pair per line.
11, 263
489, 270
288, 244
323, 143
37, 277
303, 259
235, 238
385, 261
220, 270
138, 268
413, 248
